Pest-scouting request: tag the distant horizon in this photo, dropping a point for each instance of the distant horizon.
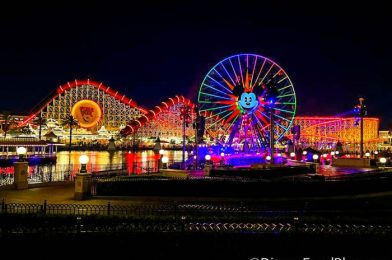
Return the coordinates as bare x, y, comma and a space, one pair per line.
309, 114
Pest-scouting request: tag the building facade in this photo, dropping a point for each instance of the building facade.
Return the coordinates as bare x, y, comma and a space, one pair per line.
323, 133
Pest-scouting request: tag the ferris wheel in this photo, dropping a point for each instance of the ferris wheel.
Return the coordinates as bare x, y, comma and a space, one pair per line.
234, 98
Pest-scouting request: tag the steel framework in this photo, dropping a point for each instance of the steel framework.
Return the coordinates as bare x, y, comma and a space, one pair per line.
163, 120
325, 132
117, 109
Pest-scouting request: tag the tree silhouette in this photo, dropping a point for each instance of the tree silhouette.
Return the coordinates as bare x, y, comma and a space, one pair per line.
8, 123
26, 130
70, 121
40, 121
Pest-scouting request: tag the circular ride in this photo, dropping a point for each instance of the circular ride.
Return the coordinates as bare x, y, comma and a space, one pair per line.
240, 97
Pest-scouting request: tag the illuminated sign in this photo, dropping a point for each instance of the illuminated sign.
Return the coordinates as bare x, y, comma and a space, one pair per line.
87, 112
248, 101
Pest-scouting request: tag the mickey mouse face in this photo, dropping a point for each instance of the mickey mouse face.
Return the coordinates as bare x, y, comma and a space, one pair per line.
248, 101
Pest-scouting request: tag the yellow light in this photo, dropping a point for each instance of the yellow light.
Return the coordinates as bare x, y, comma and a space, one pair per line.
383, 160
83, 159
144, 156
21, 150
87, 112
165, 159
367, 154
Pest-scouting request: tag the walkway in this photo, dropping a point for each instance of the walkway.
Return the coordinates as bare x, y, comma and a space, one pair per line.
328, 170
63, 194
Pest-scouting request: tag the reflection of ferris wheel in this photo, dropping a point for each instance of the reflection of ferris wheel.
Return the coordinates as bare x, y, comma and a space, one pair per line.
234, 98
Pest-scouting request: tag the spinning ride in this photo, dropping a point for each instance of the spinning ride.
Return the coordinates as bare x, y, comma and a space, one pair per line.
239, 95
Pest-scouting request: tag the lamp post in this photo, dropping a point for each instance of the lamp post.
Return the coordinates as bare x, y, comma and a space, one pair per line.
361, 113
185, 115
196, 125
383, 161
315, 163
222, 159
270, 97
83, 180
21, 152
161, 152
83, 159
207, 165
165, 160
272, 141
21, 169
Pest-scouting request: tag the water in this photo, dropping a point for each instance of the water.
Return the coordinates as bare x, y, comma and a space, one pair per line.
67, 165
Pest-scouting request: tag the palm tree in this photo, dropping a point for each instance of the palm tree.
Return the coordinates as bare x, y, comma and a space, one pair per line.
9, 121
26, 130
40, 121
70, 121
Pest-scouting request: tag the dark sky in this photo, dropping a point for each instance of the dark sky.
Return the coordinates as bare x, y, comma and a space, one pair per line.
333, 53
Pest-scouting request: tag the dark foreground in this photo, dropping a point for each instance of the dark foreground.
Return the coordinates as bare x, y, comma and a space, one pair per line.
348, 220
201, 235
201, 246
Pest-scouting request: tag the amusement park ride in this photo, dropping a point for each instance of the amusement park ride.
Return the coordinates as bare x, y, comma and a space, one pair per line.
246, 105
249, 102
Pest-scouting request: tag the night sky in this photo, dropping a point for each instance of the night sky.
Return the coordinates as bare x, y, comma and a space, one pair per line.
334, 54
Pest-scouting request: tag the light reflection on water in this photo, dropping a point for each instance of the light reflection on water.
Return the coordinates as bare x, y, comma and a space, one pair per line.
102, 160
67, 165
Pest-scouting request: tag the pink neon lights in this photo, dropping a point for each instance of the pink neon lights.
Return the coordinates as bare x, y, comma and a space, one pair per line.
153, 113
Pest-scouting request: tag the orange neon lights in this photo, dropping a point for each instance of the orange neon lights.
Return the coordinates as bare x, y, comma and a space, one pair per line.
87, 112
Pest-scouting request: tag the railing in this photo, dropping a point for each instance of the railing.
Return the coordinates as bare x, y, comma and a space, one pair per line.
175, 217
180, 165
66, 172
6, 179
209, 209
19, 139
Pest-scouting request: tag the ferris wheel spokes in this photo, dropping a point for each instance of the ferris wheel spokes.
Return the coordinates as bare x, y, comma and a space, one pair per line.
233, 93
